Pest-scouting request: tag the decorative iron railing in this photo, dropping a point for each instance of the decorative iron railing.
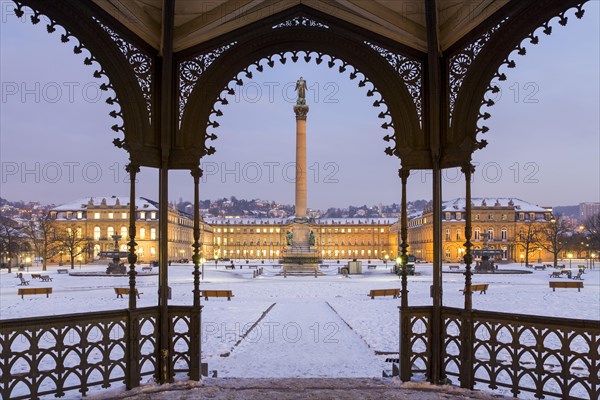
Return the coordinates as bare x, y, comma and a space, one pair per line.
60, 354
521, 354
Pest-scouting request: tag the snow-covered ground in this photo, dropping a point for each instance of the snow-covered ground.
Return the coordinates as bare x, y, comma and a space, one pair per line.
321, 327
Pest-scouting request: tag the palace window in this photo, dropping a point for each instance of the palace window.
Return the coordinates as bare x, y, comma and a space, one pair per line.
124, 233
458, 215
491, 233
477, 234
503, 232
152, 233
110, 231
96, 233
448, 234
111, 215
448, 216
79, 215
142, 233
458, 234
97, 215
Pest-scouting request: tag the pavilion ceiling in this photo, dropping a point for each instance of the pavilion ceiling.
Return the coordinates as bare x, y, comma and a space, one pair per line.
197, 21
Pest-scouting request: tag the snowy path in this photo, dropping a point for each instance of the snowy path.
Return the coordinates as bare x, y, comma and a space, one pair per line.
299, 338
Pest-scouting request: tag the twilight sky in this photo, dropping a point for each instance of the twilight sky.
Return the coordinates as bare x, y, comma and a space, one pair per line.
544, 139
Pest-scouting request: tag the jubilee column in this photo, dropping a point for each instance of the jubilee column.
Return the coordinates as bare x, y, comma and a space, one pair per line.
301, 110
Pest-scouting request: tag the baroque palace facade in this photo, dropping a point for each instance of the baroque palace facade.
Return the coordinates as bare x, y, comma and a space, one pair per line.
97, 219
498, 224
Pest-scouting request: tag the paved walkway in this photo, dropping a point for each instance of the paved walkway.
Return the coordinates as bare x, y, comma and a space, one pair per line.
300, 339
287, 389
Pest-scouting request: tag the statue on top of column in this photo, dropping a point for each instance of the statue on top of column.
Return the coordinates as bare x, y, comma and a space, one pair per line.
301, 89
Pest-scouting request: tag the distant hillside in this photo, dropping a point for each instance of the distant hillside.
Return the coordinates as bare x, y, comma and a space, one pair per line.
567, 211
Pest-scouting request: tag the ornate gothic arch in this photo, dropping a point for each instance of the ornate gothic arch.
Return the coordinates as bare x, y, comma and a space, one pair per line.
495, 49
204, 82
127, 67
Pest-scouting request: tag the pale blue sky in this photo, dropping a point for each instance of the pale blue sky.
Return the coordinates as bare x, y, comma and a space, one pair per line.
544, 136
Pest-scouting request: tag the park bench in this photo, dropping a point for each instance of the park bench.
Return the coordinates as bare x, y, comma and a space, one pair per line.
230, 266
62, 271
567, 272
566, 285
384, 292
578, 276
37, 290
555, 274
371, 266
477, 287
217, 293
539, 267
276, 266
45, 278
453, 267
253, 266
582, 268
146, 269
324, 266
36, 276
121, 291
23, 281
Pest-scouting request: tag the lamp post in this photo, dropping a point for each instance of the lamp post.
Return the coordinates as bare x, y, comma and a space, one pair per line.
522, 256
592, 263
570, 257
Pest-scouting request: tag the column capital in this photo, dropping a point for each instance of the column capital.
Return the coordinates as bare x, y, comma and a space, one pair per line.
404, 173
132, 168
301, 112
196, 173
468, 167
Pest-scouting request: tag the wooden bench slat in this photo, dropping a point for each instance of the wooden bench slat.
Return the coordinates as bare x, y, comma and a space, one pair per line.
384, 292
216, 293
477, 287
121, 291
566, 285
40, 290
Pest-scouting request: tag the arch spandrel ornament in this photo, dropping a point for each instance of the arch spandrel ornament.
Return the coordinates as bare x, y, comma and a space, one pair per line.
523, 27
395, 78
101, 48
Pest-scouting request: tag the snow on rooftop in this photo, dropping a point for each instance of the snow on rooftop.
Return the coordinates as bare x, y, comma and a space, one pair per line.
459, 204
112, 201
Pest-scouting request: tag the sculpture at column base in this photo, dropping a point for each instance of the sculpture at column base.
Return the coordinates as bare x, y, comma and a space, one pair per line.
301, 257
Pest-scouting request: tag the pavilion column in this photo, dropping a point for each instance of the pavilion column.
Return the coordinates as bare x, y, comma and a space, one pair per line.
435, 95
167, 123
132, 169
405, 325
466, 332
133, 348
404, 173
468, 258
195, 350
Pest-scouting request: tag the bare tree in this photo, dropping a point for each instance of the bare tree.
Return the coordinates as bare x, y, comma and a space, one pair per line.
42, 232
527, 239
552, 236
11, 240
592, 228
71, 240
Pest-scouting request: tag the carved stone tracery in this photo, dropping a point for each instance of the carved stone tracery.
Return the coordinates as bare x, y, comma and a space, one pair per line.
410, 71
301, 21
141, 64
191, 70
459, 64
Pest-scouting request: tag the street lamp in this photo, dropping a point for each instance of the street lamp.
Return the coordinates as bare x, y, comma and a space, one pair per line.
522, 256
592, 263
570, 256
